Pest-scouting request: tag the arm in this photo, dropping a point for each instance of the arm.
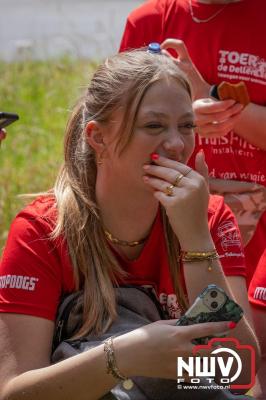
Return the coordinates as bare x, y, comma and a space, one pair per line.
25, 370
26, 373
187, 213
197, 277
249, 123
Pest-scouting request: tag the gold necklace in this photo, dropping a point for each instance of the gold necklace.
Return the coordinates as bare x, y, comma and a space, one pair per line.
200, 21
114, 240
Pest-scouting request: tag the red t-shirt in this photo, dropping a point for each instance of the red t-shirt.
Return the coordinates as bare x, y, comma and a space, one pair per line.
257, 287
35, 271
230, 47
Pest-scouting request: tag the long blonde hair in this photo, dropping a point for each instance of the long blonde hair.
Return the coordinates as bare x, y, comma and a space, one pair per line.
121, 81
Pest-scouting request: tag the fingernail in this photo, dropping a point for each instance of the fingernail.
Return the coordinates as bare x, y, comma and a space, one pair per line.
202, 152
231, 325
154, 156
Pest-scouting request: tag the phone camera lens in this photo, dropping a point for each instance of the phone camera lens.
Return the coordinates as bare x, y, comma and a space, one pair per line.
214, 304
213, 294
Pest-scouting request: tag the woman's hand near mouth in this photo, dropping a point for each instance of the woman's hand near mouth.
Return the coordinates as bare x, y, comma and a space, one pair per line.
184, 194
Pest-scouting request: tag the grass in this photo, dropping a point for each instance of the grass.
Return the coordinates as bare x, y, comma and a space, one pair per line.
42, 93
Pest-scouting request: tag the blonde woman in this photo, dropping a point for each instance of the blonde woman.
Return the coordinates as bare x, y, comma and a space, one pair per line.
125, 209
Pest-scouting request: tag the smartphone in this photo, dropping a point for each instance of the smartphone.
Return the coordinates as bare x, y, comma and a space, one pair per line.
7, 119
211, 305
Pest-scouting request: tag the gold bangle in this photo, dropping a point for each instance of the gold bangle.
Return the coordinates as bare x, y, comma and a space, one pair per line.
196, 256
112, 365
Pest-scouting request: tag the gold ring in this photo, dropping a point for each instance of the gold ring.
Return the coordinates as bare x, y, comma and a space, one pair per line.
178, 179
169, 190
181, 176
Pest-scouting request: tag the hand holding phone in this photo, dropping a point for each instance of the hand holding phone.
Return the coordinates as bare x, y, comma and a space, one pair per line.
7, 119
212, 305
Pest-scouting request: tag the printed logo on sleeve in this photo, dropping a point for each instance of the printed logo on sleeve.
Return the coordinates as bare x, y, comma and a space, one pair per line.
229, 235
18, 282
260, 293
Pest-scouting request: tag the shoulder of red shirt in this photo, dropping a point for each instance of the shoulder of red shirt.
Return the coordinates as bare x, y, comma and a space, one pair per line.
44, 208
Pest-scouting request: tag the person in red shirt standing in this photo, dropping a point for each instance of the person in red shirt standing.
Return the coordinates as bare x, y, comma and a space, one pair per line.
125, 209
257, 298
220, 40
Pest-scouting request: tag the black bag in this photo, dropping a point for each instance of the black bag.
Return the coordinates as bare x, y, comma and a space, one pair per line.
136, 306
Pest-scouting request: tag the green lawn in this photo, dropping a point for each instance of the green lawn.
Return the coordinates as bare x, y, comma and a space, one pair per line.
42, 93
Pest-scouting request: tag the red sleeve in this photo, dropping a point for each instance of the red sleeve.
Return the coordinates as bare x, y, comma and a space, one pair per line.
143, 26
31, 272
257, 287
226, 237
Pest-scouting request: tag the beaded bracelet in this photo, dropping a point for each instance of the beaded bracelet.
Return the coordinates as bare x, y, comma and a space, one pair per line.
195, 256
112, 365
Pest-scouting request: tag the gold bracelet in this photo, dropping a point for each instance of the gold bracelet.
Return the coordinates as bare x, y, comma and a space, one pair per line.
112, 365
195, 256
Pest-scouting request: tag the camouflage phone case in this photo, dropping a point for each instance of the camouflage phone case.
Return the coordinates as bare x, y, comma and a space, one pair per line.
212, 305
